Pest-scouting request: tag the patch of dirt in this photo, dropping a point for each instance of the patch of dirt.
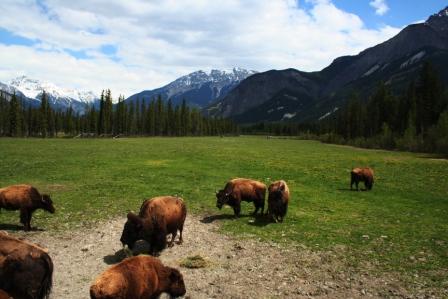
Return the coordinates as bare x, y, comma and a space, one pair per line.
236, 267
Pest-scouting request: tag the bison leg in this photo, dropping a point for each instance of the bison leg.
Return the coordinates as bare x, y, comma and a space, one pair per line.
25, 218
173, 236
258, 205
180, 237
237, 210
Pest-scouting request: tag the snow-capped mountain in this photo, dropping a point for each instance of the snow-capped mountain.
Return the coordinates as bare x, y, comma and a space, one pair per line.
198, 88
58, 97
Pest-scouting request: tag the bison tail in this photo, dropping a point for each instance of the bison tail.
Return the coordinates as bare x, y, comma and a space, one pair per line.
47, 282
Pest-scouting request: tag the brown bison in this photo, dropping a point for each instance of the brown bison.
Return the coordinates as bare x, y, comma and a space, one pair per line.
27, 199
138, 277
4, 295
158, 217
26, 270
238, 190
278, 200
362, 175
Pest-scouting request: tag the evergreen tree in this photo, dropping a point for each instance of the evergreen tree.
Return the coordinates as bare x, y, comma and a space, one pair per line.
43, 115
101, 118
429, 98
14, 117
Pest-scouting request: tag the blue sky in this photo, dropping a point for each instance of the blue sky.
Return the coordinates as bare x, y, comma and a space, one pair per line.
133, 45
400, 13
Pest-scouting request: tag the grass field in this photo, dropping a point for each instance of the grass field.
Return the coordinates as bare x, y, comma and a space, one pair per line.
401, 225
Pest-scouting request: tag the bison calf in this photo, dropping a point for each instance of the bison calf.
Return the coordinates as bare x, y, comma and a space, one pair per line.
138, 277
278, 200
238, 190
27, 199
158, 217
362, 175
26, 270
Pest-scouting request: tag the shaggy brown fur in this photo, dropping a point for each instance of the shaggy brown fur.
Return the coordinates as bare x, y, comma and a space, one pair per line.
26, 270
27, 199
139, 277
362, 175
4, 295
278, 200
238, 190
158, 217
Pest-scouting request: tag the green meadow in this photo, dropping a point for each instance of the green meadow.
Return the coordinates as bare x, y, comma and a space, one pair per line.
401, 225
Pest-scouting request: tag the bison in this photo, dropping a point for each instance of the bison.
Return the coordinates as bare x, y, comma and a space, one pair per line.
27, 199
238, 190
138, 277
158, 217
26, 270
4, 295
278, 199
362, 175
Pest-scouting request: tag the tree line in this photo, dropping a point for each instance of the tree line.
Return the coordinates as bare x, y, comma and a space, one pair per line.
156, 118
413, 120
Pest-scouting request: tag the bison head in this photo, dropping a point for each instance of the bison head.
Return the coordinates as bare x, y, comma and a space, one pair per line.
221, 198
176, 285
47, 203
132, 230
277, 193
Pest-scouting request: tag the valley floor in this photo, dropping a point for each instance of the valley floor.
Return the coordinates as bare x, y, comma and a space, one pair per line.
237, 267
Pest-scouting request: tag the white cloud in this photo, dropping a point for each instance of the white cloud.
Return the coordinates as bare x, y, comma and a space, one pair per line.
158, 41
380, 6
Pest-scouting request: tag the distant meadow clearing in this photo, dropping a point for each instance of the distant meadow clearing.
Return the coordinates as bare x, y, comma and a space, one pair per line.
401, 225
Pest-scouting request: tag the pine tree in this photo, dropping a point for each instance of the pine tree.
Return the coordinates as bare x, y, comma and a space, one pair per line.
43, 115
429, 98
101, 118
185, 119
14, 117
108, 116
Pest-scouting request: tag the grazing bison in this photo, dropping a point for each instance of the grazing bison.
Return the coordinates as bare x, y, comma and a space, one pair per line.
4, 295
26, 270
278, 200
138, 277
158, 217
238, 190
362, 175
27, 199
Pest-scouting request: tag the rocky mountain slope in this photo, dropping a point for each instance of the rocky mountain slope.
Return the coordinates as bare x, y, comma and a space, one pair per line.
198, 89
301, 96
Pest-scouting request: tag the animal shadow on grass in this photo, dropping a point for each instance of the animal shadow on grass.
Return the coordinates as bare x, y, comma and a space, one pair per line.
348, 189
212, 218
16, 227
261, 220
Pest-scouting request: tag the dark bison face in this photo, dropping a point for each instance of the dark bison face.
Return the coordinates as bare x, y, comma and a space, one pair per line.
221, 198
176, 287
132, 230
47, 203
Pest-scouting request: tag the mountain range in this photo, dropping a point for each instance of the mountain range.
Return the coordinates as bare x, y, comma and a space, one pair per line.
309, 96
281, 95
30, 92
198, 89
